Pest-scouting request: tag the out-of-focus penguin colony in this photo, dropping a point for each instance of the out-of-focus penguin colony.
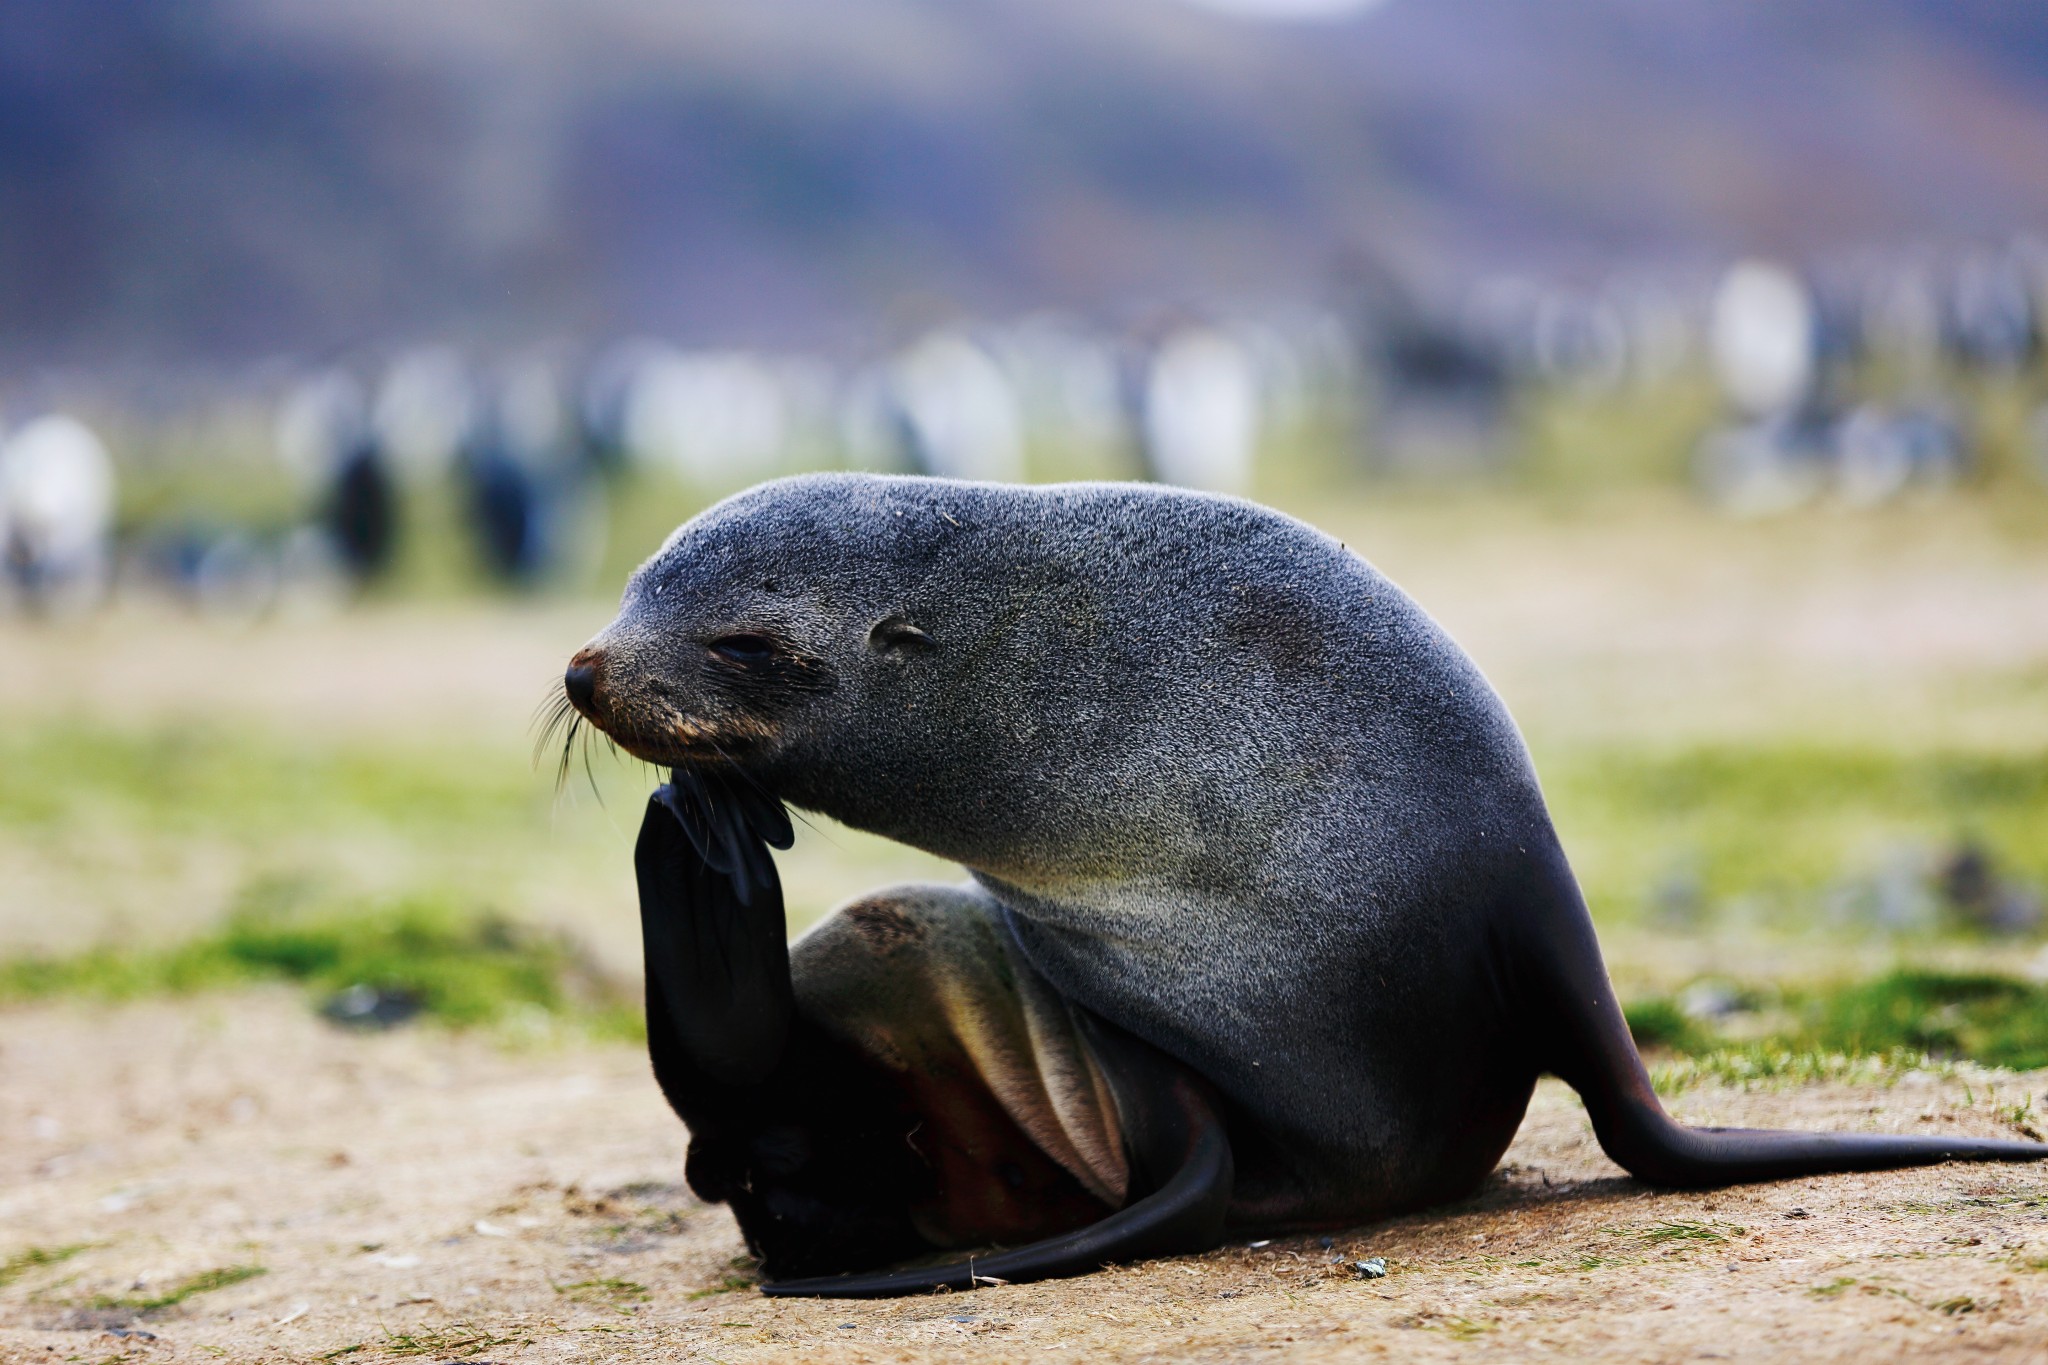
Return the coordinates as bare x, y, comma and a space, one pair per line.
1854, 383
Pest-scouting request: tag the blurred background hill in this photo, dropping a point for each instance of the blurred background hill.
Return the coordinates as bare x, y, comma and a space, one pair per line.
226, 179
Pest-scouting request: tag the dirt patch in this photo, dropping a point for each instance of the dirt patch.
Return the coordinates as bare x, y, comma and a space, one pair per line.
298, 1193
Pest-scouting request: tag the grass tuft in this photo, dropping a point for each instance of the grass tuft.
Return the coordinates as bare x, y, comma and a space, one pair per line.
30, 1258
1683, 1230
610, 1292
460, 1339
1995, 1020
203, 1283
1659, 1024
730, 1284
1759, 1065
1904, 1020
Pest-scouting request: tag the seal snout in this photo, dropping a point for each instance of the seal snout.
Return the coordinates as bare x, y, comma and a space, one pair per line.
580, 681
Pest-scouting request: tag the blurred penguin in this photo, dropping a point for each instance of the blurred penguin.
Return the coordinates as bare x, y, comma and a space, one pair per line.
56, 515
604, 404
718, 420
1763, 336
324, 432
956, 411
422, 412
1990, 317
527, 496
1200, 411
1438, 388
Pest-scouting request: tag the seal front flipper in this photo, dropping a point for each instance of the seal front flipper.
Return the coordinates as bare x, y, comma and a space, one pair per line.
717, 963
730, 825
1177, 1148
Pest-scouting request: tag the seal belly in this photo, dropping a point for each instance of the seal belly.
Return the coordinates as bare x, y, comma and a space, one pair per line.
1018, 1124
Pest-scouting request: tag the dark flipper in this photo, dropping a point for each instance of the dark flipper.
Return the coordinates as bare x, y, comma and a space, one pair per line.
731, 824
721, 960
1179, 1152
1586, 1042
776, 1116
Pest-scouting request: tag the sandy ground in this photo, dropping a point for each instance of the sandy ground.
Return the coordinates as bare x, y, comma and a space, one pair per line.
436, 1197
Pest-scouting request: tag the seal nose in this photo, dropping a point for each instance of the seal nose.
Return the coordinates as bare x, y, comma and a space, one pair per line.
580, 683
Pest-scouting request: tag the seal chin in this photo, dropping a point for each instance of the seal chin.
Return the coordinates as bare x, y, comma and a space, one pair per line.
671, 741
665, 751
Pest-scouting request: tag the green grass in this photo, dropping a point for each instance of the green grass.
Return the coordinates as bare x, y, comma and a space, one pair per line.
459, 1340
32, 1258
1794, 827
610, 1292
730, 1284
1659, 1024
1990, 1019
1687, 1231
1679, 835
1767, 1065
221, 778
462, 970
1905, 1015
1804, 835
203, 1283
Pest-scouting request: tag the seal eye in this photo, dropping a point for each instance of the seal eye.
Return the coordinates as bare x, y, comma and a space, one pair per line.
897, 634
744, 649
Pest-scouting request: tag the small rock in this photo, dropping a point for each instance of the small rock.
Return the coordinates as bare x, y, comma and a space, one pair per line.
1709, 1000
368, 1008
1797, 1213
1373, 1269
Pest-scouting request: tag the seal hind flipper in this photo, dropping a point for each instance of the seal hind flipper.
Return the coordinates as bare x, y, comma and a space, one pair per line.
1172, 1128
721, 963
1586, 1042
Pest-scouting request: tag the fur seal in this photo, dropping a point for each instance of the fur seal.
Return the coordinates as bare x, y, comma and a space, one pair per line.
1267, 928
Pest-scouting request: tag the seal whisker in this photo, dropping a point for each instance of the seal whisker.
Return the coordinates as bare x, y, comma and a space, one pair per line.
553, 712
590, 776
568, 750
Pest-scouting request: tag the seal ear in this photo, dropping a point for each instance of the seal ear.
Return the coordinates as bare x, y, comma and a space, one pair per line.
899, 635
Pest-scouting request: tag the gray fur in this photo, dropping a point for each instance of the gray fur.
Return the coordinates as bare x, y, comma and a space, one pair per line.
1236, 792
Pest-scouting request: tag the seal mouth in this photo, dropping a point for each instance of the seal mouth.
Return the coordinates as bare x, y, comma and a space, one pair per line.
663, 742
674, 742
